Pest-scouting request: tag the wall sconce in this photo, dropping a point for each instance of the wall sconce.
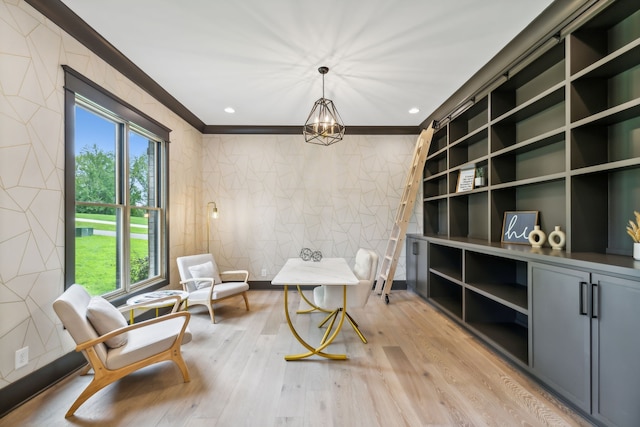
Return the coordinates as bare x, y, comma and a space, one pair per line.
212, 212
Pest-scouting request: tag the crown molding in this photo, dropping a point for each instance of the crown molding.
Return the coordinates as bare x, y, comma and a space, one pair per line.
297, 130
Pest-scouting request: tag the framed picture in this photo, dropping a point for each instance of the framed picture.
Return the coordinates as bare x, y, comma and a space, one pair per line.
465, 180
517, 225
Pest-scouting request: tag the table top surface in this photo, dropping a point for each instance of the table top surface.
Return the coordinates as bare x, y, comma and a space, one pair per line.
327, 271
150, 296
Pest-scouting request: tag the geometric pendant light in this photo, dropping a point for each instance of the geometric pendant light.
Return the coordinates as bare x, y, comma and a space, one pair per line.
324, 125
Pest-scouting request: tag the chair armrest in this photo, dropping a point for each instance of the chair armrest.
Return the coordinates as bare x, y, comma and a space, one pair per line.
116, 332
200, 279
236, 272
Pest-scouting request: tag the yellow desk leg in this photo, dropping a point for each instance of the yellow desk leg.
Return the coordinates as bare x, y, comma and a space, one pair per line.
313, 350
131, 316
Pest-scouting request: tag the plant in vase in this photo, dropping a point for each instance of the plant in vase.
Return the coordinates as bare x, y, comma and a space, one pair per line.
479, 181
634, 231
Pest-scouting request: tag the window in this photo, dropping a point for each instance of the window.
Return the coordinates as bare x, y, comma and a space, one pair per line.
116, 182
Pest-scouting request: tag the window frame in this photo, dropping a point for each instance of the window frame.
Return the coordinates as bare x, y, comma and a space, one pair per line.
102, 102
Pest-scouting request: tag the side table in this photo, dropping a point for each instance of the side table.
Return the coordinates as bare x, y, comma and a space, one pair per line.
140, 300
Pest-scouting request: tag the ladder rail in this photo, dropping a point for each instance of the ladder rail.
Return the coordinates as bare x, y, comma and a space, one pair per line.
384, 280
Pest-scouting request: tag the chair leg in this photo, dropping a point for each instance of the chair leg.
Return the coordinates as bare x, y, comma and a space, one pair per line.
354, 325
246, 300
210, 307
333, 316
178, 360
326, 319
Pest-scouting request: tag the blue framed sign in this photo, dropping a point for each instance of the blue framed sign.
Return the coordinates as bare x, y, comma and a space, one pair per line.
517, 225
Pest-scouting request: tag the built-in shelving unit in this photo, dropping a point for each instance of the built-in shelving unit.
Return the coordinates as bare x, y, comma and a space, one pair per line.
561, 135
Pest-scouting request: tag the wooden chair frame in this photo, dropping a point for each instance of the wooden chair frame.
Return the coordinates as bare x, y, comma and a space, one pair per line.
104, 376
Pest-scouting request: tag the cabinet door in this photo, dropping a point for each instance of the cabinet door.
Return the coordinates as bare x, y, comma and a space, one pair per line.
411, 262
422, 268
561, 331
616, 351
417, 268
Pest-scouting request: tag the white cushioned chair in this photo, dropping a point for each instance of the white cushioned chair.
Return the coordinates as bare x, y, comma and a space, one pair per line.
199, 275
120, 348
330, 298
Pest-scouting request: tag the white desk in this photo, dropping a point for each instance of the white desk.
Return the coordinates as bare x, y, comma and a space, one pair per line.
328, 271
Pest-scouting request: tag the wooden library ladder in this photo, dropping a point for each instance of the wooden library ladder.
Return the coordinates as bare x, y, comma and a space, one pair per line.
403, 215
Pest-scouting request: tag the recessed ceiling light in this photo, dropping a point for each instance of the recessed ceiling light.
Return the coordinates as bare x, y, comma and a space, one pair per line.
229, 110
414, 110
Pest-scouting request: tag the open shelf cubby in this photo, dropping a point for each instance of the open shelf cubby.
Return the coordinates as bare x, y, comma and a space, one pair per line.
610, 139
498, 278
613, 29
468, 216
446, 260
445, 293
505, 327
435, 217
469, 149
439, 141
436, 186
546, 197
544, 73
435, 165
543, 114
469, 121
537, 158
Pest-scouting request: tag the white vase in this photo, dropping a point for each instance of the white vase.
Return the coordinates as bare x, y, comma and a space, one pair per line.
537, 237
636, 251
557, 238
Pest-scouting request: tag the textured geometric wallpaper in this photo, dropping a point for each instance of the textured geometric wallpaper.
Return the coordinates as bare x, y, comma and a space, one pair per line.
32, 50
275, 194
278, 194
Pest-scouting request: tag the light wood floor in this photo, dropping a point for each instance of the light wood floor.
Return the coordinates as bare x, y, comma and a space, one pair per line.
419, 368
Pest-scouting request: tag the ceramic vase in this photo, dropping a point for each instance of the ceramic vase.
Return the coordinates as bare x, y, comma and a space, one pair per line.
636, 251
557, 238
537, 237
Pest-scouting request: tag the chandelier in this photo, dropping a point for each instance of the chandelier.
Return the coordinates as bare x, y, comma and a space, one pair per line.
324, 125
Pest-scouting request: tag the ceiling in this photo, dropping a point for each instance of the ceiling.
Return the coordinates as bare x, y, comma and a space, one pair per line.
261, 57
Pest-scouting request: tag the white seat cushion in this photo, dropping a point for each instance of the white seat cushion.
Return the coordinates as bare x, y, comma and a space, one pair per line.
147, 341
219, 291
105, 318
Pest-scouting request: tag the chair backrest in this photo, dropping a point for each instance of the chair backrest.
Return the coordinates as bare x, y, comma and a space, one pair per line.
71, 309
365, 269
184, 262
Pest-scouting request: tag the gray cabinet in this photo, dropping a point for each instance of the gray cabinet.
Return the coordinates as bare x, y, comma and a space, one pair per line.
561, 331
615, 351
585, 342
417, 268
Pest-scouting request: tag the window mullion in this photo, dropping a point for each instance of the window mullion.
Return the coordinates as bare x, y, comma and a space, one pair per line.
123, 175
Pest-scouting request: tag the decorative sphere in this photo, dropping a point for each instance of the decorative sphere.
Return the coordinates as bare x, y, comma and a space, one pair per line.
306, 254
316, 256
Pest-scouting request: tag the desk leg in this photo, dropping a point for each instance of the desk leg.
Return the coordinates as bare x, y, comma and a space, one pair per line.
313, 350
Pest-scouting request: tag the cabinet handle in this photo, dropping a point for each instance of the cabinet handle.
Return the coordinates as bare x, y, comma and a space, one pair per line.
583, 298
415, 249
595, 301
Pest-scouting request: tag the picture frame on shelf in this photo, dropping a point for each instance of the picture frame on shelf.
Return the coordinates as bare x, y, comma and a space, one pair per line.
465, 180
517, 225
